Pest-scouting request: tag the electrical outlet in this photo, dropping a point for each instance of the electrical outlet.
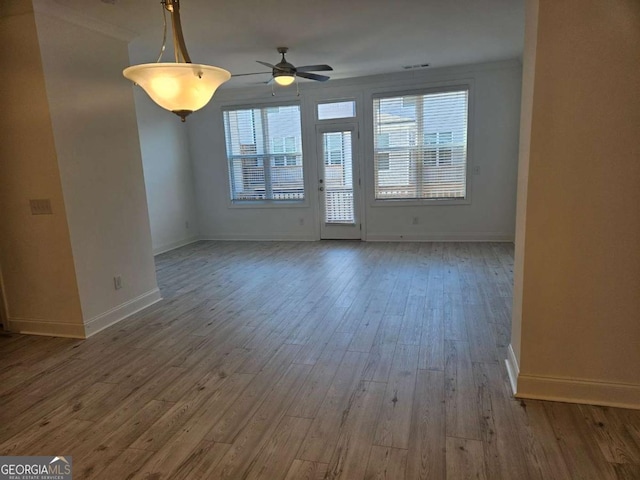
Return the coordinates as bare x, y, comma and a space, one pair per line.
415, 221
117, 282
186, 224
301, 221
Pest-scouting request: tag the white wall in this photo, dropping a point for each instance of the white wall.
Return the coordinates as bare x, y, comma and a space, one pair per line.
168, 174
494, 107
38, 274
577, 318
96, 140
526, 112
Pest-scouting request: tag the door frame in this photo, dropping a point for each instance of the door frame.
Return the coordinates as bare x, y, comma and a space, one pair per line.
4, 314
341, 125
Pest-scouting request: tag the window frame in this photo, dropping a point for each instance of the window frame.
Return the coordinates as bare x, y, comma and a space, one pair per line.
440, 87
265, 203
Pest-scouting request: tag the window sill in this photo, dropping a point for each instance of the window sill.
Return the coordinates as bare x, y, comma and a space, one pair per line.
268, 204
420, 203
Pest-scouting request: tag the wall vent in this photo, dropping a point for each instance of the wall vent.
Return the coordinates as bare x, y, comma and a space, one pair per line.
412, 67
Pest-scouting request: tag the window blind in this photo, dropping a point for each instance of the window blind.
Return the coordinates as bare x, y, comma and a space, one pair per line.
420, 146
338, 178
264, 153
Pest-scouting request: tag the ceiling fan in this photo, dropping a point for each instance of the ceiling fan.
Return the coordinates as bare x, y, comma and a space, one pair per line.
284, 73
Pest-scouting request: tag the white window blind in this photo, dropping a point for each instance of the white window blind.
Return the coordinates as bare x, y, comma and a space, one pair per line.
338, 178
264, 153
420, 146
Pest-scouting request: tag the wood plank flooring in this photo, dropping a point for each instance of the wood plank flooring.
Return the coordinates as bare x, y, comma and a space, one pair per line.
319, 360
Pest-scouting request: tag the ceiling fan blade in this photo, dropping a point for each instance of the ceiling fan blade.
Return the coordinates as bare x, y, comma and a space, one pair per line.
269, 65
314, 68
253, 73
312, 76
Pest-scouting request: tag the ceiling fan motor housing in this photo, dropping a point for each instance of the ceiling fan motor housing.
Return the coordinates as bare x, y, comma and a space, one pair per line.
284, 68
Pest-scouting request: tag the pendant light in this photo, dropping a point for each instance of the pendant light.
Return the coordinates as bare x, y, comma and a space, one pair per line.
181, 87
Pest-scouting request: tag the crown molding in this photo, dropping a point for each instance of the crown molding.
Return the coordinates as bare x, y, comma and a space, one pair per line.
52, 8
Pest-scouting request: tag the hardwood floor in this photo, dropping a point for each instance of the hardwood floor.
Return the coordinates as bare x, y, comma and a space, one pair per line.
315, 360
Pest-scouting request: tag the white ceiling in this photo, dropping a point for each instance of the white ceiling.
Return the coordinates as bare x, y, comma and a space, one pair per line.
355, 37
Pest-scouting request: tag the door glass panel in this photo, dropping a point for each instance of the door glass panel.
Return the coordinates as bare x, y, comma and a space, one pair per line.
338, 178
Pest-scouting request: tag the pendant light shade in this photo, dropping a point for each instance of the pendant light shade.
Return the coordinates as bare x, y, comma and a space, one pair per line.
178, 87
181, 87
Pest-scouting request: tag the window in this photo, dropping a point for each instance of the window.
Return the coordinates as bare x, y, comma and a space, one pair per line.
330, 111
338, 177
334, 148
439, 149
420, 146
285, 145
382, 161
264, 153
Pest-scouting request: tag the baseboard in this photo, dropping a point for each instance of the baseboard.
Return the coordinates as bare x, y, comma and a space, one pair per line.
437, 237
119, 313
167, 247
276, 237
513, 370
440, 237
29, 326
579, 391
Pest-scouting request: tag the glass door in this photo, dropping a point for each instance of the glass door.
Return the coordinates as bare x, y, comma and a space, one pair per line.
338, 182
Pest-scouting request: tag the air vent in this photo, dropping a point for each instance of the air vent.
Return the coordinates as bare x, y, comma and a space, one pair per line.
412, 67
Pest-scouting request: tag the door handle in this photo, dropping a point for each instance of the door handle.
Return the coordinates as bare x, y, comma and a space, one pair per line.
321, 189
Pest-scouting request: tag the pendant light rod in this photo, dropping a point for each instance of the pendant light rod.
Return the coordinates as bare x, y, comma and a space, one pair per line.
179, 45
164, 33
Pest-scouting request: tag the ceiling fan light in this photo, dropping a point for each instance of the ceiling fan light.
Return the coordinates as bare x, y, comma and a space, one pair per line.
284, 80
178, 86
